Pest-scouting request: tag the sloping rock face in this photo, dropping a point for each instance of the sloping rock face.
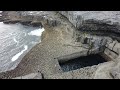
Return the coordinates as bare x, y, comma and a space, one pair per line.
74, 31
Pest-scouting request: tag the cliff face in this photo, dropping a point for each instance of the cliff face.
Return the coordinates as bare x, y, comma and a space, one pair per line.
101, 29
75, 17
109, 17
105, 23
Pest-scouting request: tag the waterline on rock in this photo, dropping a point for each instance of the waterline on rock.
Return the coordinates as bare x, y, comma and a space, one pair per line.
20, 53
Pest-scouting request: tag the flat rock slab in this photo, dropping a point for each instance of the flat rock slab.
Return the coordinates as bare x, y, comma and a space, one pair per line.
83, 73
30, 76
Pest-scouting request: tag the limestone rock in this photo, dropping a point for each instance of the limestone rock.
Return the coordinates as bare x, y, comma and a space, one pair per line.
83, 73
111, 45
111, 54
103, 71
11, 21
115, 71
25, 22
96, 22
109, 17
30, 76
92, 22
117, 48
36, 24
109, 40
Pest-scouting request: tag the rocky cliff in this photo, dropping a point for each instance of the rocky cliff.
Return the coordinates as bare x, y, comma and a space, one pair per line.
68, 32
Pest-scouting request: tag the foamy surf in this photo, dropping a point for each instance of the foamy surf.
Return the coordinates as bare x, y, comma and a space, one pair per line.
37, 32
14, 58
15, 40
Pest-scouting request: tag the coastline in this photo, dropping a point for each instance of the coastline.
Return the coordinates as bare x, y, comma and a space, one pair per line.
58, 39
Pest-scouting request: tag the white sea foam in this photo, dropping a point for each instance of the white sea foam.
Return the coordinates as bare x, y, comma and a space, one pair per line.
25, 34
36, 32
14, 58
15, 40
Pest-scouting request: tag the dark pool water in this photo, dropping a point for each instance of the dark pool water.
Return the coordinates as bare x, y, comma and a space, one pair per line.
82, 62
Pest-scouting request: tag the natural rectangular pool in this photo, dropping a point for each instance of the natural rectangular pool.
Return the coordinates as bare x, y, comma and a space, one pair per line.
81, 62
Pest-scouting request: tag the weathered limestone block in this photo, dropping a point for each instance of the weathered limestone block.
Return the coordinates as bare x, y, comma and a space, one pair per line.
110, 54
111, 45
117, 48
72, 56
115, 71
103, 71
109, 40
94, 51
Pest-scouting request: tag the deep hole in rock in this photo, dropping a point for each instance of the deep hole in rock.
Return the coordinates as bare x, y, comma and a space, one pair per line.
81, 62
